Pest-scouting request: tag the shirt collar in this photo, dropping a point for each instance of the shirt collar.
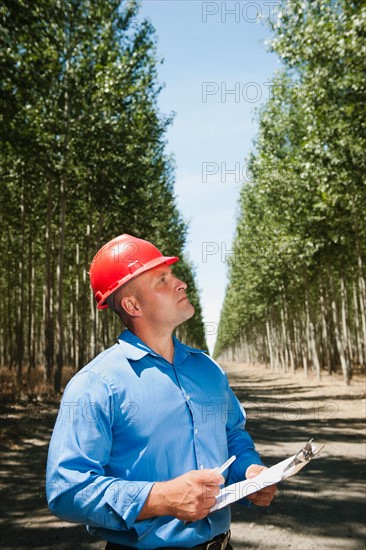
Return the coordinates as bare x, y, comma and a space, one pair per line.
178, 344
134, 348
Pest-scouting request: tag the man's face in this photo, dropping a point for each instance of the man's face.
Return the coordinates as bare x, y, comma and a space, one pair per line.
162, 298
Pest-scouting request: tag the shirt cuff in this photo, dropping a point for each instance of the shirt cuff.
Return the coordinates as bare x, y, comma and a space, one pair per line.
238, 469
127, 499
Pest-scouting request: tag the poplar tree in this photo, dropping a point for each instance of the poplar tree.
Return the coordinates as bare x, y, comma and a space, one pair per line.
83, 161
299, 266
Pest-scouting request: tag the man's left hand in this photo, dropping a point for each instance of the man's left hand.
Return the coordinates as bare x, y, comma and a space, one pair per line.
265, 496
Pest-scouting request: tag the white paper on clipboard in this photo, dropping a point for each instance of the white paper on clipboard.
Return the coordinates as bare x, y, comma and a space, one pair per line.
288, 467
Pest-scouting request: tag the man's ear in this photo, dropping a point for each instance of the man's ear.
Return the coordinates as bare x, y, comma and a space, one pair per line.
131, 306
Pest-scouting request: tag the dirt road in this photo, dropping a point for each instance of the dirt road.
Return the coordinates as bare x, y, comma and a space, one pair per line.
322, 508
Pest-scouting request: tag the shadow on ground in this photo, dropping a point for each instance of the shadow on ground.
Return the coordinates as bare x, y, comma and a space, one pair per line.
324, 506
26, 522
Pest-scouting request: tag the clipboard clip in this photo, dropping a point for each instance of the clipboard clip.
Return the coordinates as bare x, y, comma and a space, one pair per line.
307, 453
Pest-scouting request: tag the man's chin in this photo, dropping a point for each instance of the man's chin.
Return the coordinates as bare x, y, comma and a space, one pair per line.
188, 313
192, 312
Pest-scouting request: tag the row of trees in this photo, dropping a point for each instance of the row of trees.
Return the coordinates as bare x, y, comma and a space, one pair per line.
83, 160
296, 296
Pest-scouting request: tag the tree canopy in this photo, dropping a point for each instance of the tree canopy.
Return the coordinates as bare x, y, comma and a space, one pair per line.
296, 293
83, 161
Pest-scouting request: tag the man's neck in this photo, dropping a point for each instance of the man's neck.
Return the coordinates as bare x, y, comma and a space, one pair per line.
161, 343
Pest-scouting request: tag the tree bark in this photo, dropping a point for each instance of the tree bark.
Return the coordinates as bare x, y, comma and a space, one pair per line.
48, 292
338, 337
346, 335
19, 331
325, 334
269, 343
310, 337
358, 335
31, 309
362, 294
60, 287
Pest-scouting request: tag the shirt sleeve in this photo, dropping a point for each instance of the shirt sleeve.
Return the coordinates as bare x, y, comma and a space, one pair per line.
78, 490
239, 441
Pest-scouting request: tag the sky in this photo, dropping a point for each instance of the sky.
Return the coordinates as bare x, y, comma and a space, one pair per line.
216, 72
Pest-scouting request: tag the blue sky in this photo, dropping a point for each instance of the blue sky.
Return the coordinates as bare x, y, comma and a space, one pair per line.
216, 72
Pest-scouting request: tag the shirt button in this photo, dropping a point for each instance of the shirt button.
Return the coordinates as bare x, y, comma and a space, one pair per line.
196, 431
188, 398
201, 466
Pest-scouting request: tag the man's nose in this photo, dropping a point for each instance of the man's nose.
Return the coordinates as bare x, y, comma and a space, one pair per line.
180, 285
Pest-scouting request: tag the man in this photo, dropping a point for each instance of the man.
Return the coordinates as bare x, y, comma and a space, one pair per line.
143, 426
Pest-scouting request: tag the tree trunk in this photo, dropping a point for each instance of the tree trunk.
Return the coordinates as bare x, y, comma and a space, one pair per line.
289, 340
285, 354
269, 342
31, 313
297, 346
304, 348
10, 293
93, 325
338, 338
60, 286
48, 291
20, 306
85, 292
3, 294
346, 336
325, 334
362, 294
358, 336
75, 317
310, 337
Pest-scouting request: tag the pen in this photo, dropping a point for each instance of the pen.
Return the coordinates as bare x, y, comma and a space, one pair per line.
219, 470
226, 464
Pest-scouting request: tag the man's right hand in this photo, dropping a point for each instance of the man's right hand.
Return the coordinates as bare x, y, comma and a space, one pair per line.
188, 497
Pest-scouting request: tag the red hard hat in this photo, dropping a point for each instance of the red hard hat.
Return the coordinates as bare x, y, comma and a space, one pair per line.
121, 260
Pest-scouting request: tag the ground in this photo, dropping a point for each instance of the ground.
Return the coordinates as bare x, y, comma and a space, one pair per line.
323, 507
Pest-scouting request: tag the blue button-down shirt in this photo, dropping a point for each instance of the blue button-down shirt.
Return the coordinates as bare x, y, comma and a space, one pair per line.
130, 418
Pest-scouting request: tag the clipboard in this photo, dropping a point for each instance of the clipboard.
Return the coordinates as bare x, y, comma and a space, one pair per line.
280, 471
